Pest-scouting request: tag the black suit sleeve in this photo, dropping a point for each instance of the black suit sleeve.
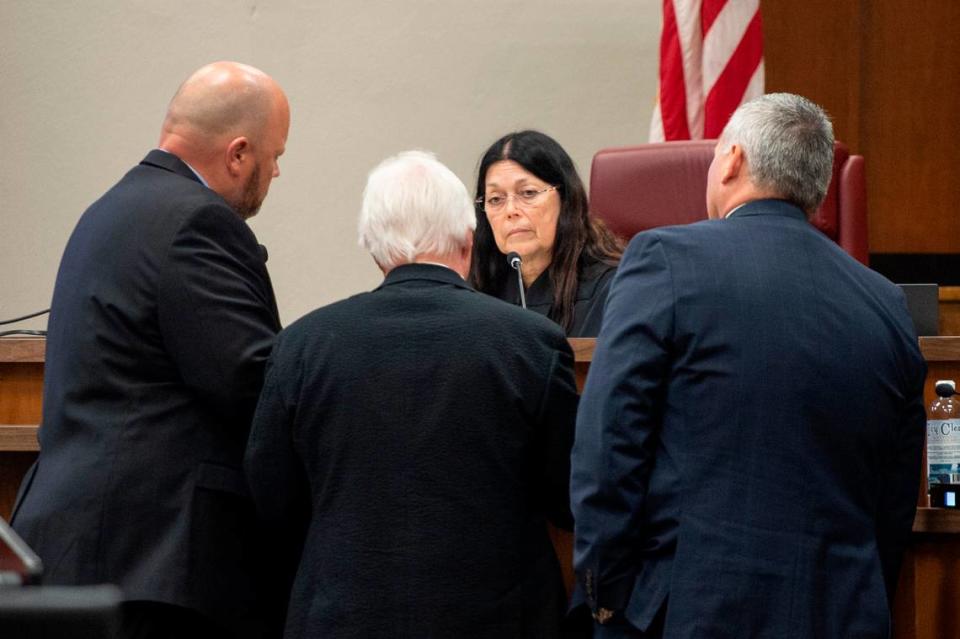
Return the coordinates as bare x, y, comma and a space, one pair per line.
274, 471
278, 485
216, 310
558, 413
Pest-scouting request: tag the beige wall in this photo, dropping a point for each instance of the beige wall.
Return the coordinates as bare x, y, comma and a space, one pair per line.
84, 86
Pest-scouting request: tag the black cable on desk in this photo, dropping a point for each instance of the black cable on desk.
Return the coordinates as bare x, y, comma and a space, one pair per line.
25, 317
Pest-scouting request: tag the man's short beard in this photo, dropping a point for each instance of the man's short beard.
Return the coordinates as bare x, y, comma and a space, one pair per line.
250, 200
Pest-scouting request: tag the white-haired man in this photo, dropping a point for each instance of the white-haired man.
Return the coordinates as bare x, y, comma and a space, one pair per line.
748, 443
425, 430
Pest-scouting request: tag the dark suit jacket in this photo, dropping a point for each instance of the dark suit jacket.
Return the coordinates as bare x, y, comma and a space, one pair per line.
749, 439
161, 323
427, 429
594, 283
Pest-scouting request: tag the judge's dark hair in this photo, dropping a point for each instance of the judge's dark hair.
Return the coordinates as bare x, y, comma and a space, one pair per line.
580, 239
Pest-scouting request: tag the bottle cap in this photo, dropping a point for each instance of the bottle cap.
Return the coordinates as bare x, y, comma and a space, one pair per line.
945, 387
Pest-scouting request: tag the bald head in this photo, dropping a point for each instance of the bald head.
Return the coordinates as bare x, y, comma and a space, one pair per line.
221, 99
229, 122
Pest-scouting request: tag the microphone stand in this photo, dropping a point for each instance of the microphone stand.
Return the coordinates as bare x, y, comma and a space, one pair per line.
515, 263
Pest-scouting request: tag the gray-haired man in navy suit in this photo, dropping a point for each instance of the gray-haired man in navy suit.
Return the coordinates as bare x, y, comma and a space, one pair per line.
748, 443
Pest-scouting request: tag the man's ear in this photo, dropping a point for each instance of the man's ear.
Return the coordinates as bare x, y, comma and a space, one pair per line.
466, 251
733, 164
237, 155
383, 269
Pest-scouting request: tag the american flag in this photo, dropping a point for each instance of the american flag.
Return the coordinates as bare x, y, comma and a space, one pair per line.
711, 60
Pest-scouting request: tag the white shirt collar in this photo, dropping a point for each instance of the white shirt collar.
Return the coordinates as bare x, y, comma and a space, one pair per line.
199, 177
734, 210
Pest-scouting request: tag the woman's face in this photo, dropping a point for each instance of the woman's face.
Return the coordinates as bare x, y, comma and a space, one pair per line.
523, 212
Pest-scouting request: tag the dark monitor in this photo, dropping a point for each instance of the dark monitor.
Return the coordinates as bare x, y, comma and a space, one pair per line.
49, 612
18, 564
924, 305
60, 612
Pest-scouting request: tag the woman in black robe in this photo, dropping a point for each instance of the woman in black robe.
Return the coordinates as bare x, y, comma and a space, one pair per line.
531, 201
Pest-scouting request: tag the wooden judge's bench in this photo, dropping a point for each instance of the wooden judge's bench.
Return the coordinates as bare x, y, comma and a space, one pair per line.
928, 598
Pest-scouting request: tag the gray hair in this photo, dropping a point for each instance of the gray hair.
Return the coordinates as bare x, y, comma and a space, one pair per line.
412, 205
788, 144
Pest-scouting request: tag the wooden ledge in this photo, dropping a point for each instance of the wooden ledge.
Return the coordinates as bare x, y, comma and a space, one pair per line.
23, 349
582, 348
19, 438
33, 349
949, 293
940, 349
937, 521
23, 437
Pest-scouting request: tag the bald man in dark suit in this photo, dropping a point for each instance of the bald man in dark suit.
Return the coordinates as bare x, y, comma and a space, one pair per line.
162, 319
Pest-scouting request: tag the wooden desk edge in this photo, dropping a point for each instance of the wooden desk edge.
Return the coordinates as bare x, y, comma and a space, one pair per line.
582, 348
22, 349
19, 438
949, 294
937, 521
940, 349
934, 349
33, 349
23, 437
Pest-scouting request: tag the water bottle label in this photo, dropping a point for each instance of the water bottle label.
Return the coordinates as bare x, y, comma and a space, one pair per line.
943, 451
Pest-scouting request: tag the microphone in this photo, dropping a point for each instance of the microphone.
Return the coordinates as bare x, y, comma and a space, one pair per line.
515, 262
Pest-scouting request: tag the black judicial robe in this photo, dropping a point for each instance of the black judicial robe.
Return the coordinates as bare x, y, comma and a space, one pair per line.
594, 283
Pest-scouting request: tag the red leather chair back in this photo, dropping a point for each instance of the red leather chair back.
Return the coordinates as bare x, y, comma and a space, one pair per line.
636, 188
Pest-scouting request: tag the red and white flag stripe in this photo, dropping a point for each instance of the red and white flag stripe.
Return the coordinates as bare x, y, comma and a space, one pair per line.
711, 60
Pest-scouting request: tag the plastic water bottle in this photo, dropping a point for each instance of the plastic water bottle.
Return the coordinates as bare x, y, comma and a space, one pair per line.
943, 445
